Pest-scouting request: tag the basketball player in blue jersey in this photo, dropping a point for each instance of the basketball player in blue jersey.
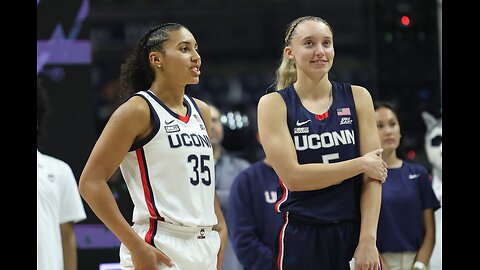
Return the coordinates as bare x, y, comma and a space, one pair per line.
320, 137
159, 138
406, 227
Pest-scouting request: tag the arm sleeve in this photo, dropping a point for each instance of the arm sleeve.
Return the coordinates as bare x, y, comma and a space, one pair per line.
242, 227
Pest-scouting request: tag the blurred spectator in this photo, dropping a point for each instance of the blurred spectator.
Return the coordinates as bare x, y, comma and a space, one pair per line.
227, 167
406, 226
58, 205
108, 101
253, 224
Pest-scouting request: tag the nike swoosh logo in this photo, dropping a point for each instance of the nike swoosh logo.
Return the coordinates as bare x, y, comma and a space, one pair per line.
413, 176
302, 123
168, 123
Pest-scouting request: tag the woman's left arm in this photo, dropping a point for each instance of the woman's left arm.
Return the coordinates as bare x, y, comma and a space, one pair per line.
366, 254
426, 249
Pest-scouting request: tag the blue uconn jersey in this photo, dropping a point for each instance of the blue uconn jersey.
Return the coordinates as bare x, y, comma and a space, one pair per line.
327, 138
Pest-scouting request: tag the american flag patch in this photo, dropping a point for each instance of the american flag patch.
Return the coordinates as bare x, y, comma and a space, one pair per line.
343, 111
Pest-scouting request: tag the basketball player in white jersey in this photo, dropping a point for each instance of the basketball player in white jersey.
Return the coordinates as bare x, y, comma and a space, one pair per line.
159, 139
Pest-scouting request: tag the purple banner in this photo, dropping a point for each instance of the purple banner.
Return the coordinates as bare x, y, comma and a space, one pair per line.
91, 236
63, 52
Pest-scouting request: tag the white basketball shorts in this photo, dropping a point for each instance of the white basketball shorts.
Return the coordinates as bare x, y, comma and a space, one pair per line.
190, 248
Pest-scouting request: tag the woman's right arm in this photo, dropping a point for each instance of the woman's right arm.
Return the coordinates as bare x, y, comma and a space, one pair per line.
130, 122
280, 151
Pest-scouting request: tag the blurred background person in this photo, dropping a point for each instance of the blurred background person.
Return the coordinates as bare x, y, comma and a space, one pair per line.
227, 167
406, 226
253, 224
107, 102
59, 205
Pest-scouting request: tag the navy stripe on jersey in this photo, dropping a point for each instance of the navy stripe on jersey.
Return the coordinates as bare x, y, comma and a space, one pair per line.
323, 138
156, 126
149, 199
152, 231
196, 107
183, 118
147, 187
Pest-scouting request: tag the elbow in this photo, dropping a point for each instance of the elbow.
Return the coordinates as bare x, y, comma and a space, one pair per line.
289, 174
83, 187
291, 180
292, 186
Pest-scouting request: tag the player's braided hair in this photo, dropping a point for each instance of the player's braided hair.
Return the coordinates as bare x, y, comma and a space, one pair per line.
136, 73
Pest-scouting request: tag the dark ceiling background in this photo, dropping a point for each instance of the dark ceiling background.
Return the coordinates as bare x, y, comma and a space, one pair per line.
241, 43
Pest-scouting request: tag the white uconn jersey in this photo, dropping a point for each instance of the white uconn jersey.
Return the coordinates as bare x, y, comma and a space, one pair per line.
170, 174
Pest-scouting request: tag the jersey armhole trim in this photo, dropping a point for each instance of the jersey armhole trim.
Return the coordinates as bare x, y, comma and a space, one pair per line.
156, 126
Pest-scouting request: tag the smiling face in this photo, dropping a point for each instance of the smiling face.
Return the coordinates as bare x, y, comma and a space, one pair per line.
388, 129
180, 59
311, 47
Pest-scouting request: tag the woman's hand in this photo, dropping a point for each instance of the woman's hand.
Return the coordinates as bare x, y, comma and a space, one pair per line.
375, 167
148, 257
